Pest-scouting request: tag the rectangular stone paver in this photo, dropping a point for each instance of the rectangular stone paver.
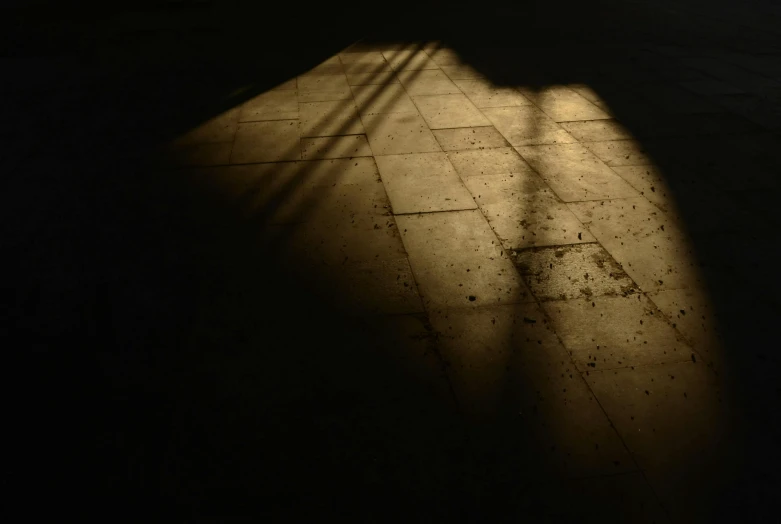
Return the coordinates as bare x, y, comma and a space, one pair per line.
574, 173
464, 138
597, 130
338, 240
693, 314
322, 190
620, 152
379, 99
610, 332
365, 79
507, 365
221, 128
409, 60
458, 262
524, 212
563, 104
273, 105
492, 161
331, 66
363, 63
462, 72
384, 287
397, 133
266, 142
430, 82
566, 272
443, 56
485, 94
330, 118
423, 182
446, 111
527, 125
321, 88
672, 419
646, 242
335, 147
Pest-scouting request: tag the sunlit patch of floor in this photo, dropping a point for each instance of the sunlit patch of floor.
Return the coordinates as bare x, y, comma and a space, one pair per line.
538, 234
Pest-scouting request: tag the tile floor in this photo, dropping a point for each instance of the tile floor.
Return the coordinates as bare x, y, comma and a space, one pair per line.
531, 227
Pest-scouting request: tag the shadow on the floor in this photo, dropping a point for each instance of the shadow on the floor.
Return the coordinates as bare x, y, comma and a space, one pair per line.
209, 383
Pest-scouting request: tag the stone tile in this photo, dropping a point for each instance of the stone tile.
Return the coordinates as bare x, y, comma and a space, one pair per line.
236, 187
322, 88
612, 332
335, 147
620, 152
408, 341
273, 105
423, 182
494, 161
512, 377
378, 99
362, 57
343, 204
462, 72
672, 419
458, 262
598, 98
597, 130
650, 182
446, 111
397, 133
221, 128
266, 142
326, 173
323, 191
345, 238
527, 125
574, 173
409, 60
563, 104
325, 96
644, 240
360, 68
466, 138
524, 212
431, 82
380, 287
334, 118
364, 62
444, 57
692, 313
365, 79
485, 94
288, 85
331, 66
378, 46
576, 271
691, 202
